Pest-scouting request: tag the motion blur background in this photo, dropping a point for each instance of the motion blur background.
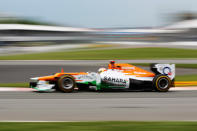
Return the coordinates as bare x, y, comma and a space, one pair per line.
37, 26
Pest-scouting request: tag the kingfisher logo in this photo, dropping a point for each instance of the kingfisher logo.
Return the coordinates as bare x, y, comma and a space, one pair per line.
115, 80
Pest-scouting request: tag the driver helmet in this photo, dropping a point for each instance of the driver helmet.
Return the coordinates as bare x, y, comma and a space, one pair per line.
100, 70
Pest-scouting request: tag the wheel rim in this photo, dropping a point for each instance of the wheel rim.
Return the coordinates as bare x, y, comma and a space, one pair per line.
163, 83
67, 83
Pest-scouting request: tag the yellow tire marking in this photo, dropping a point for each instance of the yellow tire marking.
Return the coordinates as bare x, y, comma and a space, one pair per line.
158, 80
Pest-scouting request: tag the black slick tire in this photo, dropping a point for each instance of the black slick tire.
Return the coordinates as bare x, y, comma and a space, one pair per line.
162, 83
66, 83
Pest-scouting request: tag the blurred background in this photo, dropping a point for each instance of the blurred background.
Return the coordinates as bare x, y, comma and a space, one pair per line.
42, 26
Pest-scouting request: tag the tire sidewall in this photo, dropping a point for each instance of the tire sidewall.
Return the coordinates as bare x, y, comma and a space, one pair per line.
156, 83
61, 88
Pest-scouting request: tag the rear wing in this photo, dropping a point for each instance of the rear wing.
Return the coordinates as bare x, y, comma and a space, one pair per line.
166, 69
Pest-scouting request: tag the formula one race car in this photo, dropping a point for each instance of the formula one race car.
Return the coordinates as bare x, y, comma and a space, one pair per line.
117, 76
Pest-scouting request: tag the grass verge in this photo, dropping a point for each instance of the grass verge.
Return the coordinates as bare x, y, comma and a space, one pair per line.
129, 53
186, 77
98, 126
193, 66
14, 84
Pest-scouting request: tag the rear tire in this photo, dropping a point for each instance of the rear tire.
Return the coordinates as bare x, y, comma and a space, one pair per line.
66, 83
162, 83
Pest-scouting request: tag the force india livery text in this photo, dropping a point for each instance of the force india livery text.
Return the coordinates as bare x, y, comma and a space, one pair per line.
117, 76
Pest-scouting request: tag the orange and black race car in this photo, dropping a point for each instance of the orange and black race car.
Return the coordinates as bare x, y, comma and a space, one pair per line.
117, 76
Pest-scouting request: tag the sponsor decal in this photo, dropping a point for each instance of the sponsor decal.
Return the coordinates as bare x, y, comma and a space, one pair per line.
85, 77
167, 71
114, 80
128, 68
139, 72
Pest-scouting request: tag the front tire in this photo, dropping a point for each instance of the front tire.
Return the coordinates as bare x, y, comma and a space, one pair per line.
66, 83
162, 83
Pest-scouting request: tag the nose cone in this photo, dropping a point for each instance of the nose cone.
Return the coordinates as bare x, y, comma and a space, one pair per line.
47, 78
34, 79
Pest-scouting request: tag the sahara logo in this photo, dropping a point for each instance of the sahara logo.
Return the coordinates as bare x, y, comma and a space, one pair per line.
116, 80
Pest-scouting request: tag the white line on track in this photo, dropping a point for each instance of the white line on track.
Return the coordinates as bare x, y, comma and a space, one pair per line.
15, 89
190, 88
2, 89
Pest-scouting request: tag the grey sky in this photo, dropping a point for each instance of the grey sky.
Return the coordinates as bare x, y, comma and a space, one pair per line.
98, 13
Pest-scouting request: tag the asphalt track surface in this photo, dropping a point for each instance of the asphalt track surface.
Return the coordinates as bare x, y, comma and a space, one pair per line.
95, 106
21, 71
